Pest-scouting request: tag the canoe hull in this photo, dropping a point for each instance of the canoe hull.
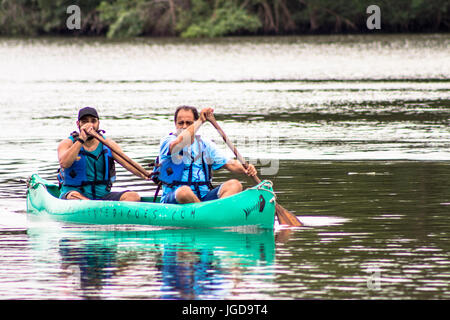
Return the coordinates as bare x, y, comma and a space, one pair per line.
252, 207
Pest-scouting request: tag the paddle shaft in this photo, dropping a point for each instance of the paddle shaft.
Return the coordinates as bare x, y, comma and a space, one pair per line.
284, 216
233, 148
134, 164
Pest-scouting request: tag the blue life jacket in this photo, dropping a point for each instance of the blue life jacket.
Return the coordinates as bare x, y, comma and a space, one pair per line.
76, 175
169, 173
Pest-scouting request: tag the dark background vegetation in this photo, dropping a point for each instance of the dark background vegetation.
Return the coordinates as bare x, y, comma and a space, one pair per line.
215, 18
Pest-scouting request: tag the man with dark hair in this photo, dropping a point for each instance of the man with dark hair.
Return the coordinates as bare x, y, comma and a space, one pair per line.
87, 166
186, 108
187, 161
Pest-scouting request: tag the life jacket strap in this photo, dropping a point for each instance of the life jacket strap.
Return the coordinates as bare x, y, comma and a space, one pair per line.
186, 183
157, 191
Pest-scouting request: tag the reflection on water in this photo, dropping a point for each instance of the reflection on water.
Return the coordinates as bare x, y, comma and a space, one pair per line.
167, 264
357, 125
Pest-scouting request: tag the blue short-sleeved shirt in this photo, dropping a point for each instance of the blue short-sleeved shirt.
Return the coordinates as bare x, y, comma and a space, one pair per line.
213, 156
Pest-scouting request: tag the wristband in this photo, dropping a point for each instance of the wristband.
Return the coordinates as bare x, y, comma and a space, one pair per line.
81, 141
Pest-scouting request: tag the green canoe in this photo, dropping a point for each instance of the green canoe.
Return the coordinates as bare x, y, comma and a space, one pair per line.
252, 207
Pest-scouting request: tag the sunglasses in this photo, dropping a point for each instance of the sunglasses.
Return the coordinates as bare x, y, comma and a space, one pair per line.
182, 123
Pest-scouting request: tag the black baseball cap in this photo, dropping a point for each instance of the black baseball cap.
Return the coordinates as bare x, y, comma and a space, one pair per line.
87, 111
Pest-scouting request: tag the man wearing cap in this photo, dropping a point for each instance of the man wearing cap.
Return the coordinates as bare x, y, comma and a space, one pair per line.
87, 166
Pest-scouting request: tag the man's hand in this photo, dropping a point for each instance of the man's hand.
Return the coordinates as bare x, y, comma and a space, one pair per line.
206, 114
85, 129
251, 171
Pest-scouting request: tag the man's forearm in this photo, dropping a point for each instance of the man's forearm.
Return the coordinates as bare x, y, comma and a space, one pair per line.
186, 137
69, 156
234, 166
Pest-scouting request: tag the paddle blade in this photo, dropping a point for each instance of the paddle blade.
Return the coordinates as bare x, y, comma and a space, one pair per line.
287, 218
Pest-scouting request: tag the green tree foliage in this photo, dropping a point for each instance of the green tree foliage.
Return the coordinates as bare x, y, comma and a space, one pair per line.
223, 18
19, 17
215, 18
124, 18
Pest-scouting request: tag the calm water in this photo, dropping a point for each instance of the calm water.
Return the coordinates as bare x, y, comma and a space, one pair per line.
353, 131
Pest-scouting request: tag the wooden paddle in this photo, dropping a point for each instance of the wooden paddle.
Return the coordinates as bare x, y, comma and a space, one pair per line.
144, 173
284, 216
